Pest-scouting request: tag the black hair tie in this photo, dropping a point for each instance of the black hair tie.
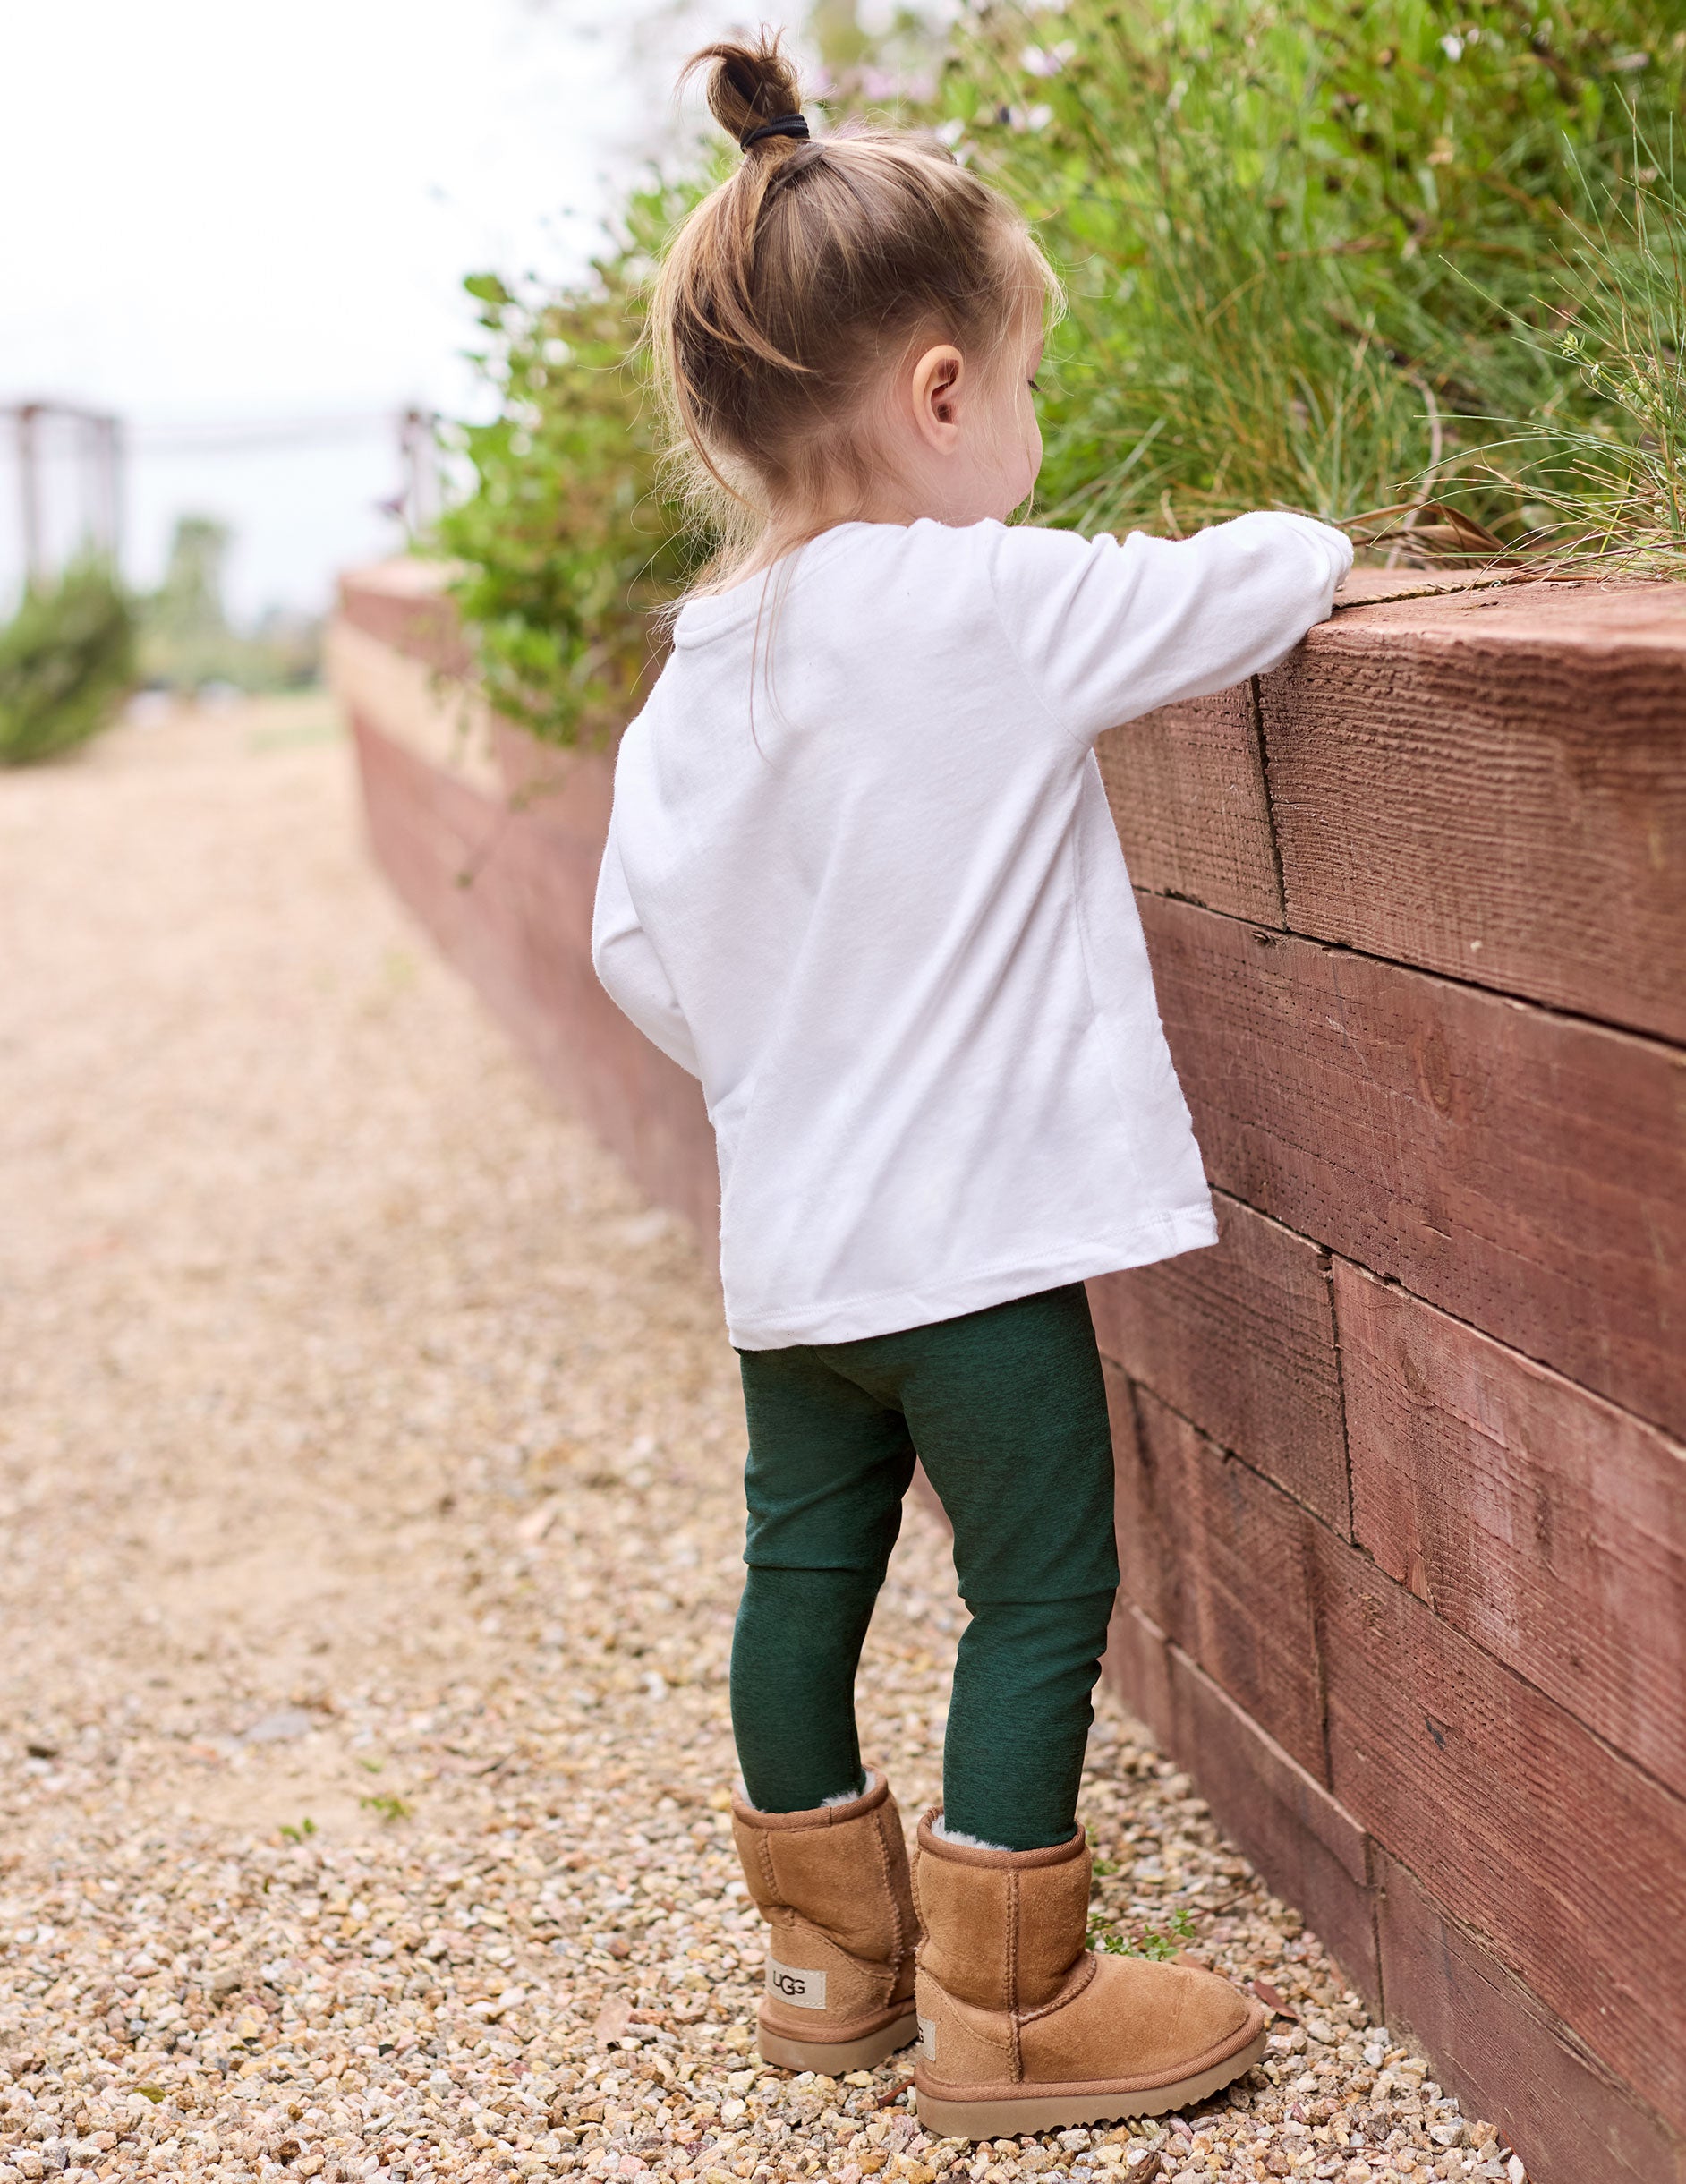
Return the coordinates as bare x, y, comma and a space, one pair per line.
785, 124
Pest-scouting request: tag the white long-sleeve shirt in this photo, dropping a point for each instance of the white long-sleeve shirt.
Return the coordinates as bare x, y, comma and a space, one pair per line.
881, 911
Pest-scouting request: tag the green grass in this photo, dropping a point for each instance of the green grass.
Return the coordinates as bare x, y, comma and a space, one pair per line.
1412, 265
1608, 478
1159, 1943
568, 541
1323, 255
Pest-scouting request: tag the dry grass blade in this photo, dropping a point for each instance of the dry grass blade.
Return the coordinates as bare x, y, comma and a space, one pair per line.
1433, 528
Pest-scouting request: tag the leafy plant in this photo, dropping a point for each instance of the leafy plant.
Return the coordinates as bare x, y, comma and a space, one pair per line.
1321, 253
66, 663
1159, 1944
1300, 235
568, 542
386, 1804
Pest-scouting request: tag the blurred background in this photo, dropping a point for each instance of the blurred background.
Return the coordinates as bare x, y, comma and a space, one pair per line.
233, 315
242, 237
287, 296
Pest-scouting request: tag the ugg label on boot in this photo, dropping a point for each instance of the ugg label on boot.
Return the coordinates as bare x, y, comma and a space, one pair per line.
806, 1990
928, 2038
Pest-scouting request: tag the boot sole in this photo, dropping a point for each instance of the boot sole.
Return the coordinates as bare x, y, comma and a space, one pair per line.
1052, 2111
832, 2058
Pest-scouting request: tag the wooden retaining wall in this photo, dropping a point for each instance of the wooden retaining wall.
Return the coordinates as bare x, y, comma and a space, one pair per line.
1402, 1481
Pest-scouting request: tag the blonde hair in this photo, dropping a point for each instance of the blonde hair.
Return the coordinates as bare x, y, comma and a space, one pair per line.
785, 294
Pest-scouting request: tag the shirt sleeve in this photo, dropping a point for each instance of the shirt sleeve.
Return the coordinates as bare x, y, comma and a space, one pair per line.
629, 968
1106, 631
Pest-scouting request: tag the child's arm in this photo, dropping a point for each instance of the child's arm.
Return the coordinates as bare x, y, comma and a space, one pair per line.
1107, 631
630, 968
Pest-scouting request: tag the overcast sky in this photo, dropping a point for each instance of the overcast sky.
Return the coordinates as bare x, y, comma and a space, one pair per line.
219, 211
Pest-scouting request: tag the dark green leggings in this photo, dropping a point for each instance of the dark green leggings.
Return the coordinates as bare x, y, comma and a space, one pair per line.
1007, 1410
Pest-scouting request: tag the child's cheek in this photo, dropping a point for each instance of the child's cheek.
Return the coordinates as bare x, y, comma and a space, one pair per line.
1033, 453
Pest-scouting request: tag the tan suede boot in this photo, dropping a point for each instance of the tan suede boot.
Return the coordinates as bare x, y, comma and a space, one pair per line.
834, 1887
1023, 2029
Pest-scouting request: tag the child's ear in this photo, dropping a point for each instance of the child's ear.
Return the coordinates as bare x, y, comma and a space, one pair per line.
936, 394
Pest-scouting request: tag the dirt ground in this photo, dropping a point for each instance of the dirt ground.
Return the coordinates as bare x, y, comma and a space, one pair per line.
368, 1548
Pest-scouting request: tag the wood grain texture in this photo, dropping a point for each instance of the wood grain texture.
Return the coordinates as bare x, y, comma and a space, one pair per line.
1566, 1859
1219, 1559
1508, 2059
1187, 789
1137, 1665
508, 898
1495, 787
1311, 1852
1240, 1339
1542, 1520
1149, 1579
1525, 1170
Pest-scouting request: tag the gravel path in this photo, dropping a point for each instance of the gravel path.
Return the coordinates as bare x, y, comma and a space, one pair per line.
371, 1522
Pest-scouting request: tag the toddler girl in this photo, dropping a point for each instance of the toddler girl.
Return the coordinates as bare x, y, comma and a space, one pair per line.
862, 881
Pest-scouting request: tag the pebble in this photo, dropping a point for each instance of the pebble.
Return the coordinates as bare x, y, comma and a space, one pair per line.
365, 1795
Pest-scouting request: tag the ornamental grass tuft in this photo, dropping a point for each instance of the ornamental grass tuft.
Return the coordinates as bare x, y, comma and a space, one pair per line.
1415, 266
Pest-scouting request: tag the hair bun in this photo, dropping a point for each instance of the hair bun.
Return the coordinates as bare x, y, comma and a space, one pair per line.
749, 86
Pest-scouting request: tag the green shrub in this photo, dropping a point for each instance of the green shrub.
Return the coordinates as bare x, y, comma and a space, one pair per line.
1610, 476
1322, 254
1302, 235
66, 663
568, 542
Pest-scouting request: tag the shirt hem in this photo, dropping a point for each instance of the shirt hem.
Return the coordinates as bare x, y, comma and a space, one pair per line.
1189, 1228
